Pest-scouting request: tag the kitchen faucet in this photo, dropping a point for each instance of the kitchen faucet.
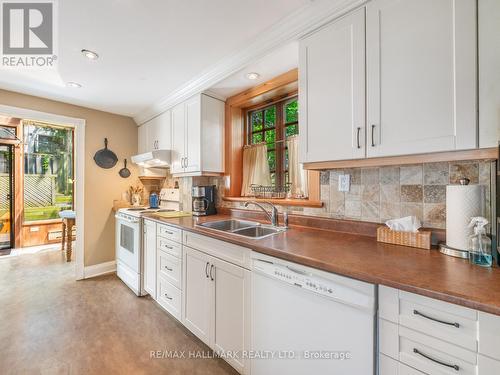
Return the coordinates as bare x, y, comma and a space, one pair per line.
272, 216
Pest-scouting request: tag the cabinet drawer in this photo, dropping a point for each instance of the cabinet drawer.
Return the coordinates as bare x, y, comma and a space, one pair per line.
170, 233
229, 252
169, 297
169, 267
448, 322
389, 366
173, 248
434, 356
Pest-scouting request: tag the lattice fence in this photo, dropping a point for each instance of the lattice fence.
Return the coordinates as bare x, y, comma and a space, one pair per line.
39, 190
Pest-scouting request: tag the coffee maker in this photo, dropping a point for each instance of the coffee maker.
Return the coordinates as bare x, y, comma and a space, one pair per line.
203, 200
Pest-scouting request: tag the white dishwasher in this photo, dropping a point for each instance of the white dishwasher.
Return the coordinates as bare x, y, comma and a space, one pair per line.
306, 321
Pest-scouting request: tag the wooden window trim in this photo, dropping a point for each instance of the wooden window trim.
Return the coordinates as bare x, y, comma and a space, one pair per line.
276, 89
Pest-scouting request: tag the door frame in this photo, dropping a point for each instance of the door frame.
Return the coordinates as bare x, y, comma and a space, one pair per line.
79, 179
13, 226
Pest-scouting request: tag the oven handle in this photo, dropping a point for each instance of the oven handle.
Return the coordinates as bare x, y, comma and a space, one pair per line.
135, 221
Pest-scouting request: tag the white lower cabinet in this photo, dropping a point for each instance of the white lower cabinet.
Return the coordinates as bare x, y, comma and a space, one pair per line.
421, 335
149, 258
197, 294
168, 255
216, 305
169, 297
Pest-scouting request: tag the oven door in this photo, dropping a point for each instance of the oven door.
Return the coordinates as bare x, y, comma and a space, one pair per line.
128, 234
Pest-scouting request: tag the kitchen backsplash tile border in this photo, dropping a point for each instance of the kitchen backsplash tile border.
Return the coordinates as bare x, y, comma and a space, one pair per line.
382, 193
376, 194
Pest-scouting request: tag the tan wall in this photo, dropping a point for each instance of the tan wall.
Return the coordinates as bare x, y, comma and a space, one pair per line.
101, 185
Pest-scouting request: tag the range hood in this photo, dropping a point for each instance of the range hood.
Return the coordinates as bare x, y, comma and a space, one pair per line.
153, 159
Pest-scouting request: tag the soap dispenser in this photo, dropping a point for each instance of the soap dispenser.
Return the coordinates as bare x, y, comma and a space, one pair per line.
480, 243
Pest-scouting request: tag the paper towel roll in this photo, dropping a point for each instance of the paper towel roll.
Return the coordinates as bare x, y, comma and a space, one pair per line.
462, 203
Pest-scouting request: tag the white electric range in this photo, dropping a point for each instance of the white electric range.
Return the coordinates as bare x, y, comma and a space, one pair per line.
129, 243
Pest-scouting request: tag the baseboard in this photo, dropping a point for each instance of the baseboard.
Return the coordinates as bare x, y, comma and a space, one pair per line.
99, 269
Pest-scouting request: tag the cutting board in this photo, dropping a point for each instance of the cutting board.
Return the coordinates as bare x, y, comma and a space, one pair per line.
173, 214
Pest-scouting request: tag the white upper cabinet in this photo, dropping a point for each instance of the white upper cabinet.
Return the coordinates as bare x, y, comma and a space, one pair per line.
142, 142
193, 135
332, 91
419, 58
489, 72
156, 134
178, 137
197, 136
421, 76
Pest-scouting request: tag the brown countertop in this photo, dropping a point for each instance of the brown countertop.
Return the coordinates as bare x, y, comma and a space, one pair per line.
424, 272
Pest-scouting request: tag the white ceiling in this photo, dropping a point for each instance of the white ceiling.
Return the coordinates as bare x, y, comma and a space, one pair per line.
279, 61
147, 49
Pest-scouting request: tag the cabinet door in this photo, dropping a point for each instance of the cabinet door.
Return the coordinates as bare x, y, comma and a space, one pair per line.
149, 245
198, 294
178, 138
332, 91
161, 132
193, 135
142, 138
231, 317
421, 76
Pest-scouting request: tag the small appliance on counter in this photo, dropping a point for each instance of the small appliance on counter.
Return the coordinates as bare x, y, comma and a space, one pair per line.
203, 200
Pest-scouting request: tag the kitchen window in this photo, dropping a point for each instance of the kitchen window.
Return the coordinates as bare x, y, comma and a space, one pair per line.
273, 124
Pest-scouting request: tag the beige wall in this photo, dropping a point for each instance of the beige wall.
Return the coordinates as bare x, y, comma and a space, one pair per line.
101, 185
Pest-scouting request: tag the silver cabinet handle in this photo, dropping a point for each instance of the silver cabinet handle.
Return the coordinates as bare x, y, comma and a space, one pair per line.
169, 269
168, 297
211, 269
186, 162
357, 137
206, 270
373, 135
454, 324
455, 367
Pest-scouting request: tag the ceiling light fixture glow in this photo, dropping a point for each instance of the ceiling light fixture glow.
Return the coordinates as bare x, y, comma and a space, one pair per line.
253, 76
73, 84
91, 55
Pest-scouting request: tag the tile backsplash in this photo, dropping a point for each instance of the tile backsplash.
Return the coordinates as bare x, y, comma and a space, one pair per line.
383, 193
377, 194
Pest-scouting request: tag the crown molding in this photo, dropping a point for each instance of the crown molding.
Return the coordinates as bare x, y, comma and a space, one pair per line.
293, 27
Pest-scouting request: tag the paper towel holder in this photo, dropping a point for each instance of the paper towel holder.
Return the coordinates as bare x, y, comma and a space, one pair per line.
448, 250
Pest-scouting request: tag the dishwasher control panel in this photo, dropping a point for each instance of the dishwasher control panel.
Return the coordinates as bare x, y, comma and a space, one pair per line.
296, 277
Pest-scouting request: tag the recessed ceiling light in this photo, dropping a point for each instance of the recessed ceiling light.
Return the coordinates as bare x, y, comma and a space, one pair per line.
91, 55
253, 76
73, 84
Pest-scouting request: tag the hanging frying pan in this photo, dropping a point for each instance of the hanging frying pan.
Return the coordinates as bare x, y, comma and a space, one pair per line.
105, 158
124, 172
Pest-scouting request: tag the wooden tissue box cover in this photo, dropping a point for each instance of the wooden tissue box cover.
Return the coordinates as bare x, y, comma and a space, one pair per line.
420, 239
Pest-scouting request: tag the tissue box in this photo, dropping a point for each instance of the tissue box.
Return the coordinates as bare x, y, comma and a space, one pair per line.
421, 239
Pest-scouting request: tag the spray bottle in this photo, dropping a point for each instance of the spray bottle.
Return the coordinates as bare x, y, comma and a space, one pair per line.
480, 243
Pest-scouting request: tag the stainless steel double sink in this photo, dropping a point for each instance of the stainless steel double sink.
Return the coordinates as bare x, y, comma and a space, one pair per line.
243, 228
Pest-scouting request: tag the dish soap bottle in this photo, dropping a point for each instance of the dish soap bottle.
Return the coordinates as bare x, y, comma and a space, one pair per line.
480, 243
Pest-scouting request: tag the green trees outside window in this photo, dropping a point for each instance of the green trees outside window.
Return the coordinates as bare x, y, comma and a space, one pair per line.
272, 124
48, 170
